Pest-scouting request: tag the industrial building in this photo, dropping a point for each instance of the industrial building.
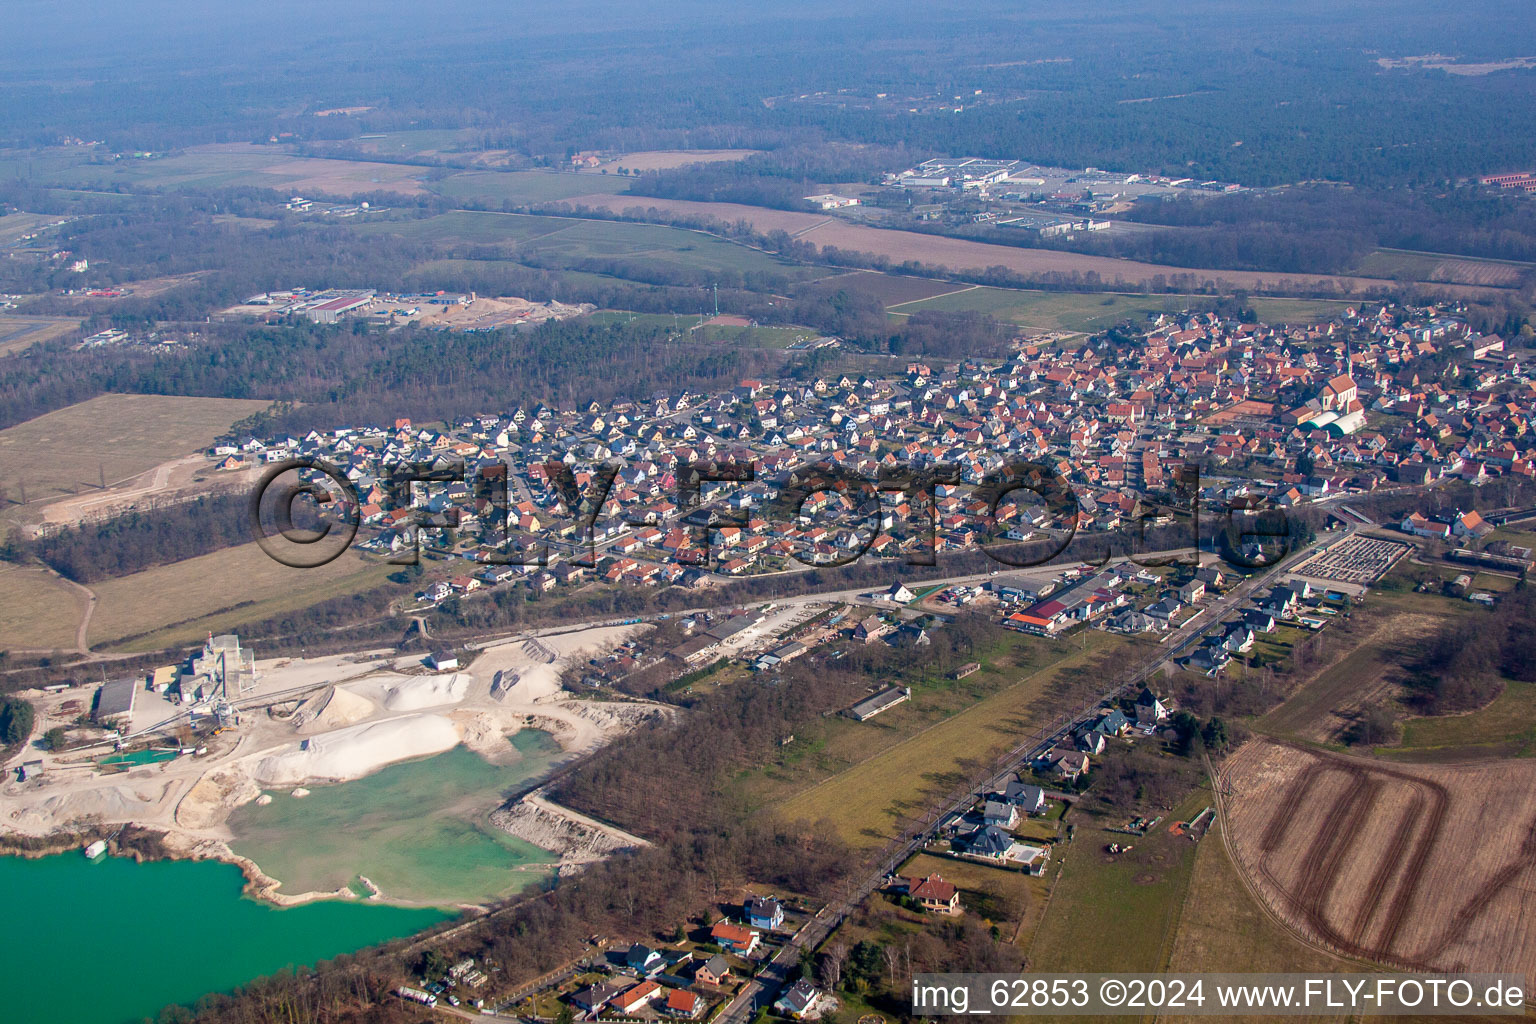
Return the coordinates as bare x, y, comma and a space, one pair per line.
114, 702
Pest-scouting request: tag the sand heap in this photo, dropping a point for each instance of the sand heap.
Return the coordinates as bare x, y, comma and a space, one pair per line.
208, 803
333, 708
116, 802
353, 753
411, 693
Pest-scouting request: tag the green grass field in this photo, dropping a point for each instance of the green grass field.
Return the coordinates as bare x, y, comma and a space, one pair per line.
1506, 726
1094, 311
178, 603
558, 238
1118, 913
526, 186
866, 777
465, 226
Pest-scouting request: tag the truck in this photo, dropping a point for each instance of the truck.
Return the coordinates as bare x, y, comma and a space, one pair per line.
416, 995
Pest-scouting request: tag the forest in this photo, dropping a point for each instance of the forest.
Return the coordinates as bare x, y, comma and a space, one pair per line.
1261, 95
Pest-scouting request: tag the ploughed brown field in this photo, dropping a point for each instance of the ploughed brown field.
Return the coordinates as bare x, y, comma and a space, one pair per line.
1416, 867
960, 254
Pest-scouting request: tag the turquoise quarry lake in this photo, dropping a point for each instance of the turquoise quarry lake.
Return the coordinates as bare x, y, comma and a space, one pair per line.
115, 940
418, 830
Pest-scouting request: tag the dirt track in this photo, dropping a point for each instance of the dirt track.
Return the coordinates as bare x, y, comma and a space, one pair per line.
1417, 868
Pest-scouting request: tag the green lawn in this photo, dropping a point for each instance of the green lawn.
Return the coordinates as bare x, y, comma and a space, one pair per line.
1508, 725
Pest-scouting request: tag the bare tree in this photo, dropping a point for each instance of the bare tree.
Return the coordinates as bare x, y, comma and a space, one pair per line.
832, 960
892, 957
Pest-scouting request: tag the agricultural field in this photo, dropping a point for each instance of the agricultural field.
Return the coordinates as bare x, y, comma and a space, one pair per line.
178, 603
965, 255
39, 612
233, 164
665, 159
866, 778
1408, 265
1096, 311
1118, 912
13, 226
891, 289
519, 187
1369, 859
414, 142
464, 226
22, 332
585, 239
1222, 928
110, 438
573, 239
1061, 311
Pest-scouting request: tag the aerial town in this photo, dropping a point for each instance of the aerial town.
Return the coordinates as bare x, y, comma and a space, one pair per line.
846, 513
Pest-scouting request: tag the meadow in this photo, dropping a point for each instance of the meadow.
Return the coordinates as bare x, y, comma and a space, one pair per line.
495, 187
568, 239
21, 332
1118, 913
40, 611
177, 604
1096, 311
110, 438
867, 778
